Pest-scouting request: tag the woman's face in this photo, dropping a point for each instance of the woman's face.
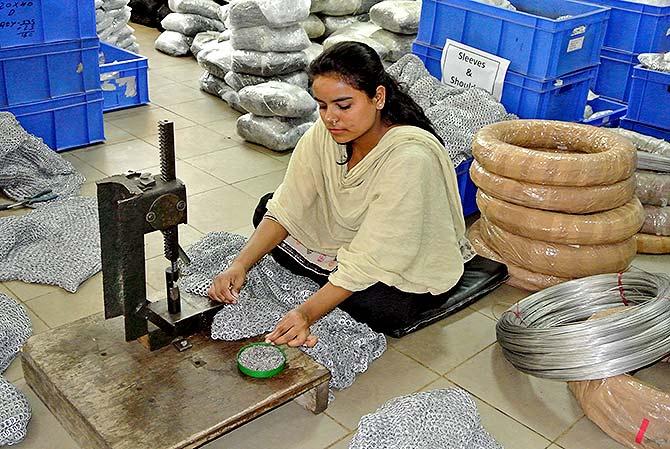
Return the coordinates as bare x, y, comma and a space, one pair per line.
348, 113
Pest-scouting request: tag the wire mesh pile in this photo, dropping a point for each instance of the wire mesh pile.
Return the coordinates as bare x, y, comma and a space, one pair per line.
548, 334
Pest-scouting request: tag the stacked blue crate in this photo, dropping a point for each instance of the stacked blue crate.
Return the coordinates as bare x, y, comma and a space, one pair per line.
49, 75
634, 28
649, 103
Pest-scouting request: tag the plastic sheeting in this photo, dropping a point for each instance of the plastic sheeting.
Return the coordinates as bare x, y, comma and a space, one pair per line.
173, 43
653, 188
657, 221
342, 7
276, 133
656, 61
206, 8
314, 27
378, 47
333, 24
398, 16
217, 59
398, 45
268, 63
206, 39
250, 13
292, 38
241, 80
190, 24
279, 99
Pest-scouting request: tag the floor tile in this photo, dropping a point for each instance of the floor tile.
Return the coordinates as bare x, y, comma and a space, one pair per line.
343, 443
61, 307
657, 375
121, 157
114, 134
193, 84
506, 431
153, 243
185, 72
586, 435
206, 110
44, 430
26, 291
287, 427
196, 180
393, 374
145, 123
156, 79
545, 406
171, 94
196, 141
556, 446
652, 263
236, 164
123, 113
91, 173
14, 372
222, 209
5, 290
283, 156
260, 185
226, 127
497, 302
446, 344
89, 189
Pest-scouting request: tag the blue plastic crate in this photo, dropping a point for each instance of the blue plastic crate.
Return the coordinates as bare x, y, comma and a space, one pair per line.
614, 74
466, 188
29, 22
65, 123
610, 120
536, 45
123, 77
645, 129
45, 72
556, 99
635, 27
649, 100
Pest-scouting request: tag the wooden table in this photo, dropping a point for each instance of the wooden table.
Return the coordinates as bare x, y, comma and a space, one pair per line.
108, 393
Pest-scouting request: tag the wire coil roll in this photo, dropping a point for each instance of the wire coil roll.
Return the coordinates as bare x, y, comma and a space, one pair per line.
546, 334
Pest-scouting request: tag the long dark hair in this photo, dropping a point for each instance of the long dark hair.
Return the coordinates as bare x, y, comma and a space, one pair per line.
360, 66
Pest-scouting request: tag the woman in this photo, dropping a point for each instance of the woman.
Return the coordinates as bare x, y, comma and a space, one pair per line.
369, 206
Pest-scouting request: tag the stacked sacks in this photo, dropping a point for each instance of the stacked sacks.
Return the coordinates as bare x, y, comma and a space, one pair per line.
399, 23
111, 21
338, 14
188, 19
358, 32
149, 12
557, 200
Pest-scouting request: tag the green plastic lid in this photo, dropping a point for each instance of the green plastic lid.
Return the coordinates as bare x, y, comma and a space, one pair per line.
261, 374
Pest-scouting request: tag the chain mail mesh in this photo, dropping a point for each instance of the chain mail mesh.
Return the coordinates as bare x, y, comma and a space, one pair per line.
428, 420
28, 166
345, 347
57, 244
15, 328
456, 114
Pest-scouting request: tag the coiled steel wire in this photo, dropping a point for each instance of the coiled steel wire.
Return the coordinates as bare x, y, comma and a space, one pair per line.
547, 334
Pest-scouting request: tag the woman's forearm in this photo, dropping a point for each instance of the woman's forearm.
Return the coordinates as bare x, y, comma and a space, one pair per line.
265, 238
323, 301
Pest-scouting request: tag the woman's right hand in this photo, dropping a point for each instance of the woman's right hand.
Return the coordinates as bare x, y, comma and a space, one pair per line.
226, 285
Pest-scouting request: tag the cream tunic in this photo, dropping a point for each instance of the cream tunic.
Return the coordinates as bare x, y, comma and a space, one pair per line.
395, 217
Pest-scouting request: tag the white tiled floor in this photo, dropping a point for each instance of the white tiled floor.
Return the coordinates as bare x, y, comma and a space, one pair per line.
220, 169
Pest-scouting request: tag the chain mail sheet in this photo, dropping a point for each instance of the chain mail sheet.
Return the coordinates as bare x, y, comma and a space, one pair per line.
428, 420
15, 328
28, 166
57, 244
346, 347
456, 114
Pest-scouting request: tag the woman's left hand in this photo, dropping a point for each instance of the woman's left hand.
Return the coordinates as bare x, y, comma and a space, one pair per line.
293, 330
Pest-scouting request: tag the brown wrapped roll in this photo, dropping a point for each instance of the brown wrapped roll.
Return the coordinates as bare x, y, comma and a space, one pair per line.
571, 200
611, 226
652, 244
653, 188
554, 153
567, 261
518, 277
657, 221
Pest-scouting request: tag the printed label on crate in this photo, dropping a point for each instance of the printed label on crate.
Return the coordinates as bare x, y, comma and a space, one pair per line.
575, 44
18, 17
578, 30
464, 66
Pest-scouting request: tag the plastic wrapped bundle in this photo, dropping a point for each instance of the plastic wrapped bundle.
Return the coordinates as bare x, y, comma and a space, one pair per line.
263, 38
277, 99
109, 5
206, 8
398, 45
216, 59
398, 16
249, 13
173, 43
276, 133
267, 63
332, 24
657, 221
313, 26
312, 53
241, 80
148, 12
213, 85
656, 61
645, 143
222, 14
653, 188
206, 39
652, 244
233, 99
432, 419
507, 5
342, 7
378, 47
114, 23
190, 24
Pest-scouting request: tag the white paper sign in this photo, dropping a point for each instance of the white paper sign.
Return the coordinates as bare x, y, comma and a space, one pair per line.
464, 66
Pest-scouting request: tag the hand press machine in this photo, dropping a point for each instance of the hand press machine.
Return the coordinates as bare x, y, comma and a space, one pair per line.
131, 206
